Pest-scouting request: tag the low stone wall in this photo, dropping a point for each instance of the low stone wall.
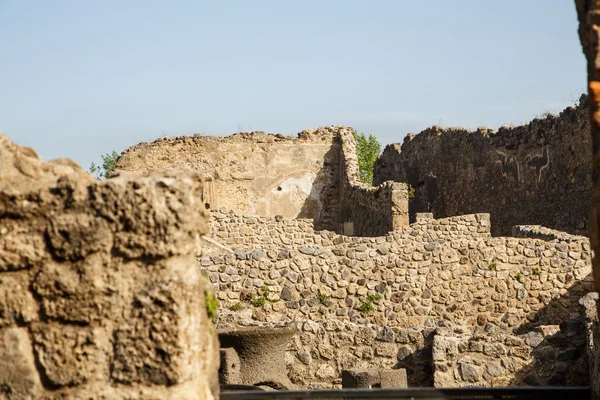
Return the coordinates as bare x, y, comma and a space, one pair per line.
244, 232
432, 273
503, 281
100, 296
323, 348
541, 232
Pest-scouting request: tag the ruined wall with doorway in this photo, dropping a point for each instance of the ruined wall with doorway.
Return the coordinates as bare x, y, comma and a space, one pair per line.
538, 173
312, 176
255, 173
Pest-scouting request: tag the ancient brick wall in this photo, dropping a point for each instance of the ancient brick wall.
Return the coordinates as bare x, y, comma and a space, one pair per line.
534, 174
255, 173
100, 294
432, 273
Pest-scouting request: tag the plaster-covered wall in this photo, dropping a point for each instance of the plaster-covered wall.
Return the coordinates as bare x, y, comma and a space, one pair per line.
254, 173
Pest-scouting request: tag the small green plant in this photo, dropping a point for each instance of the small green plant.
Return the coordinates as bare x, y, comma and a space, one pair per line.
536, 271
258, 301
411, 191
320, 311
519, 277
366, 306
109, 163
492, 267
212, 305
264, 290
374, 297
322, 298
236, 307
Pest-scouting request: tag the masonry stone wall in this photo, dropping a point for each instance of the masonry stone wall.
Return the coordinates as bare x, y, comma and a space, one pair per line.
533, 174
367, 210
243, 232
100, 293
550, 355
431, 274
312, 176
255, 173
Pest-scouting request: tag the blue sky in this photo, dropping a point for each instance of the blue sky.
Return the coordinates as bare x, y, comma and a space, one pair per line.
82, 78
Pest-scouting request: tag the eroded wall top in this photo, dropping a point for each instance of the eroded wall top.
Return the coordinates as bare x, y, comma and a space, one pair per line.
538, 173
255, 173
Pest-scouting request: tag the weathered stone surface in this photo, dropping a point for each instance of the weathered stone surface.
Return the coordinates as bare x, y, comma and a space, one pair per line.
516, 173
100, 292
374, 378
69, 355
241, 170
18, 376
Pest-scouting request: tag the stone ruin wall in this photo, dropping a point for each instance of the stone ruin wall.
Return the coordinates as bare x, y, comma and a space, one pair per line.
498, 301
254, 173
368, 210
311, 176
534, 174
100, 293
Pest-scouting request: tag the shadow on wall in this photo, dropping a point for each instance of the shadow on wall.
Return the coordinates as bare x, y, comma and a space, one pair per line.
557, 337
322, 204
550, 349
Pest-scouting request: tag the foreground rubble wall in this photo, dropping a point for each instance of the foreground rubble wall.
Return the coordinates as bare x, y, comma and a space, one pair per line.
538, 173
100, 293
379, 302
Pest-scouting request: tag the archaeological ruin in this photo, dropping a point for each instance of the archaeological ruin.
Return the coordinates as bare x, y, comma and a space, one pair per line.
449, 269
261, 260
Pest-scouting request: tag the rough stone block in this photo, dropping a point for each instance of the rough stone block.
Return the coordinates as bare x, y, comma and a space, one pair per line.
70, 355
18, 376
374, 378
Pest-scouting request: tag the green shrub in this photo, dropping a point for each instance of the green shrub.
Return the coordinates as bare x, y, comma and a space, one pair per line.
492, 267
374, 297
258, 301
366, 306
109, 163
236, 307
536, 271
322, 298
367, 151
519, 277
320, 311
212, 305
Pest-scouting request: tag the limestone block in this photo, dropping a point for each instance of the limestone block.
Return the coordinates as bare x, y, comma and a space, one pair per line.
70, 355
18, 376
17, 305
100, 294
165, 335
